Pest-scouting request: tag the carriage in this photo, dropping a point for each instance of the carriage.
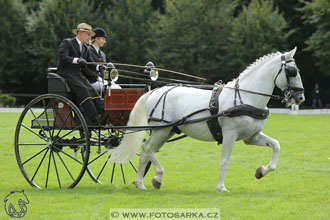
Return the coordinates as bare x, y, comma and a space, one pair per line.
55, 146
52, 136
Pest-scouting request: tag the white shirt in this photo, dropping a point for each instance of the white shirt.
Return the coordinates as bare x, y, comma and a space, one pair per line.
75, 60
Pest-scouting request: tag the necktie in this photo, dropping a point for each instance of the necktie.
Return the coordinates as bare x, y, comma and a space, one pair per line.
82, 49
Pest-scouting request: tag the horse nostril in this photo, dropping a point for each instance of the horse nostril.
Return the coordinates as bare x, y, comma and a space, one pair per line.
301, 99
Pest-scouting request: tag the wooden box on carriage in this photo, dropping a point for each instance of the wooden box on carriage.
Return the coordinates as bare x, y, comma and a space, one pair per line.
118, 104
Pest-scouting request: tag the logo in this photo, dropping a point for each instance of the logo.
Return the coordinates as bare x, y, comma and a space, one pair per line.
15, 204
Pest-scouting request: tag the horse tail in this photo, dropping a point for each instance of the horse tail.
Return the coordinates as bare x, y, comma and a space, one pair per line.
131, 141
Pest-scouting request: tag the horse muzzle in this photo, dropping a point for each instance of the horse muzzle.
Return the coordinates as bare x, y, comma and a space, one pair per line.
294, 96
297, 98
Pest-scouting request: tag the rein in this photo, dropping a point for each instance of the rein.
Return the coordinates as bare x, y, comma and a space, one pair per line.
277, 97
148, 67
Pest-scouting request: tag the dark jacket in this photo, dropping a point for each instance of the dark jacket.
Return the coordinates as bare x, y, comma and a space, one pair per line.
74, 74
316, 93
96, 57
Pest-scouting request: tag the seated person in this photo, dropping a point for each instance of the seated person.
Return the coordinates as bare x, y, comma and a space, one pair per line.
98, 41
71, 52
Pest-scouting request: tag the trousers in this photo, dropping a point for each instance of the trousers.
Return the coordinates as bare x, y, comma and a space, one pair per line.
93, 108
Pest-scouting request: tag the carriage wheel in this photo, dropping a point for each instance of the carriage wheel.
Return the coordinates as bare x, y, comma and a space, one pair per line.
99, 169
52, 142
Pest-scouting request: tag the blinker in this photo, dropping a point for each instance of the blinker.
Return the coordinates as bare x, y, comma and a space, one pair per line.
291, 71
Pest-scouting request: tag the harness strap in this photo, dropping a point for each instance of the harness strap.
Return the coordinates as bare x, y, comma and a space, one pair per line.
163, 96
213, 123
237, 93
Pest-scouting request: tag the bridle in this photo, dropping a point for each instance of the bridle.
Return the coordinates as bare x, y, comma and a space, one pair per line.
290, 71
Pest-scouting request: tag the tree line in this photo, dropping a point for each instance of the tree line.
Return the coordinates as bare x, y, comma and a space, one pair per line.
215, 39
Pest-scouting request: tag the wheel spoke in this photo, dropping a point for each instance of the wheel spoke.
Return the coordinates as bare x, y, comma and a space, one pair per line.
46, 113
35, 173
147, 168
56, 111
24, 126
97, 157
76, 128
133, 166
101, 134
69, 144
34, 155
58, 177
113, 171
106, 162
122, 172
68, 155
65, 165
42, 129
50, 155
29, 144
66, 119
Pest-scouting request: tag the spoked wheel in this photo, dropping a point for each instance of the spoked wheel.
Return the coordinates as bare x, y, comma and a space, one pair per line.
99, 169
52, 142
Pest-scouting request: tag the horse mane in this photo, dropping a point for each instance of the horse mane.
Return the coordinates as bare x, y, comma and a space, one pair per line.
257, 62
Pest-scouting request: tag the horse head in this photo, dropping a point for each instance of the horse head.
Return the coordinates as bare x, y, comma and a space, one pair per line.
289, 81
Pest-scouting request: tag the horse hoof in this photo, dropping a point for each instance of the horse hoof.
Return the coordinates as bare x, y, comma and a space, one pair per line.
156, 183
140, 186
259, 174
222, 189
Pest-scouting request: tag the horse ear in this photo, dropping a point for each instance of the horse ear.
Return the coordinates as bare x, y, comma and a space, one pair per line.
291, 53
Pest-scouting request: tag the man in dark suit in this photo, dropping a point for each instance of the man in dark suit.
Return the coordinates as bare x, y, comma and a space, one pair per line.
72, 65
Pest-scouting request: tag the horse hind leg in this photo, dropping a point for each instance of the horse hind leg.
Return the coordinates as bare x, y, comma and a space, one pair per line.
261, 139
157, 180
153, 144
140, 173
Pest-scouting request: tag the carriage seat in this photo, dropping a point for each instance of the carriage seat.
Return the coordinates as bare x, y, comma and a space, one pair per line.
57, 84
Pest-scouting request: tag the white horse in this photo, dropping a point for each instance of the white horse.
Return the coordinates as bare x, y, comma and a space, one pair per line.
256, 84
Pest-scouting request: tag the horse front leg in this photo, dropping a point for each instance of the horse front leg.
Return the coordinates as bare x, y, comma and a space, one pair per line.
261, 139
158, 179
227, 147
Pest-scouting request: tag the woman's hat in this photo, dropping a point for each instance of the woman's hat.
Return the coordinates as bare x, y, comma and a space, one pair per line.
83, 27
99, 32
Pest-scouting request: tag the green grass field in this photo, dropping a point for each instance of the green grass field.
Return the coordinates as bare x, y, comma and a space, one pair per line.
298, 189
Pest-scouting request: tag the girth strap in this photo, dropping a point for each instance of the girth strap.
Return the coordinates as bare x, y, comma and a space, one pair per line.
248, 110
213, 123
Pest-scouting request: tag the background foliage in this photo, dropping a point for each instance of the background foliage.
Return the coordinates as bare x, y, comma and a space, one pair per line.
212, 39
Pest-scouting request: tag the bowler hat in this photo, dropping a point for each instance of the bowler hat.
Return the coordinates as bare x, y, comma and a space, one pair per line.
99, 32
83, 27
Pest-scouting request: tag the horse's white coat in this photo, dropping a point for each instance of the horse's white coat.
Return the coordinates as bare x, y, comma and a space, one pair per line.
182, 101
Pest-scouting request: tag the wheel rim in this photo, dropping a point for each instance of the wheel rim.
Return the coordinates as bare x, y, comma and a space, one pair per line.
49, 136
